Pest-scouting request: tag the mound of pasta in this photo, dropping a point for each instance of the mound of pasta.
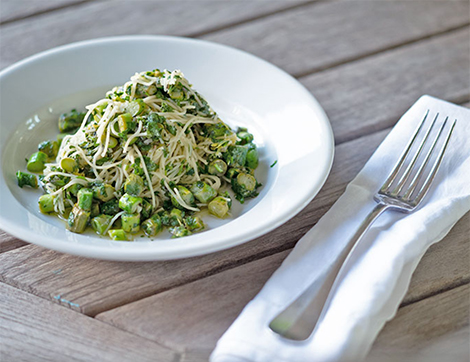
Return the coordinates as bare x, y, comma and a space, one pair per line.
149, 155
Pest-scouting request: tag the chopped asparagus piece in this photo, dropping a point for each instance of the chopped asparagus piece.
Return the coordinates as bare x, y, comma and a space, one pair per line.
36, 162
46, 203
26, 179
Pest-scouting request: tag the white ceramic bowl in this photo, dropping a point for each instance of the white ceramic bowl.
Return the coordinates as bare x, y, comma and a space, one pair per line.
288, 124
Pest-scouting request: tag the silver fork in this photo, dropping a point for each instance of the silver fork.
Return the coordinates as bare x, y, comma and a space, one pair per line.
300, 318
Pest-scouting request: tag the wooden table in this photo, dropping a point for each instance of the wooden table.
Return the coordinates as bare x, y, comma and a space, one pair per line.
366, 62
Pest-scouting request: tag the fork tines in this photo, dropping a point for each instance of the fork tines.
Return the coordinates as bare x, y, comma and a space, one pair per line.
412, 176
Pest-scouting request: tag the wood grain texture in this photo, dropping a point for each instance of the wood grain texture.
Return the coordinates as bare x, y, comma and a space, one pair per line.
195, 315
33, 329
371, 94
419, 328
99, 19
312, 38
9, 242
11, 10
94, 286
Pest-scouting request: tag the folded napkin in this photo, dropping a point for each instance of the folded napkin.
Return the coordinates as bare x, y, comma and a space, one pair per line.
380, 271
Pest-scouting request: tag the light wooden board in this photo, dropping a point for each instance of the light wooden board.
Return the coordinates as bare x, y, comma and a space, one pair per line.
11, 10
33, 329
98, 19
435, 329
316, 37
195, 315
371, 94
9, 242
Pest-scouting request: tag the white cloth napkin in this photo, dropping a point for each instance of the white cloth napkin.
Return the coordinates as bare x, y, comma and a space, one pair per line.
380, 272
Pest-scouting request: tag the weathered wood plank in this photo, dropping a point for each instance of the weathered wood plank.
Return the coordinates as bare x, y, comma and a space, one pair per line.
419, 328
95, 286
11, 10
371, 94
312, 38
445, 265
98, 19
195, 315
9, 242
33, 329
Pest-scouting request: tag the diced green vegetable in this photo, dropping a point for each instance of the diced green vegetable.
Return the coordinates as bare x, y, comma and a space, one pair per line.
78, 219
244, 137
50, 148
85, 199
74, 189
194, 223
46, 203
68, 164
130, 203
252, 159
146, 209
26, 179
135, 107
219, 206
152, 226
100, 223
112, 142
103, 192
186, 195
217, 167
244, 185
118, 235
179, 232
233, 172
95, 209
110, 207
130, 222
203, 192
236, 156
70, 121
36, 162
134, 185
126, 123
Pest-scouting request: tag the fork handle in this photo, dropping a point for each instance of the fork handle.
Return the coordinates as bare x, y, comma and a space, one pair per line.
300, 318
